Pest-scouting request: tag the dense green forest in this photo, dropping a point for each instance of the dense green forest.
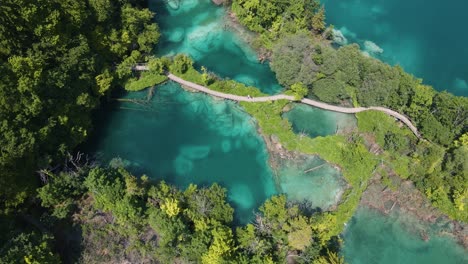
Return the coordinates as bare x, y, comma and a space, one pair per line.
60, 59
119, 216
57, 59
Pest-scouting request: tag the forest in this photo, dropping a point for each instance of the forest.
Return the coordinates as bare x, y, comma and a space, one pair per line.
60, 60
119, 216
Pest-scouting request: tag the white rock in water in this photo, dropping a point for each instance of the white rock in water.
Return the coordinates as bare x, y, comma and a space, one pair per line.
372, 48
339, 38
218, 2
365, 53
242, 196
173, 4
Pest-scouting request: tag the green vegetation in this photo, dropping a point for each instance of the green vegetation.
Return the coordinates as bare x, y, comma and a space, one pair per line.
345, 76
145, 80
349, 153
57, 60
339, 75
156, 74
293, 60
274, 19
122, 217
30, 248
438, 172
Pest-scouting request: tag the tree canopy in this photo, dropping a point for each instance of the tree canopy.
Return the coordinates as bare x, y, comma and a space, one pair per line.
123, 217
57, 59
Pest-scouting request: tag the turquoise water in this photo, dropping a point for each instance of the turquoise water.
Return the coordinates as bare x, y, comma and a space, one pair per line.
312, 180
373, 238
184, 138
427, 37
198, 28
315, 122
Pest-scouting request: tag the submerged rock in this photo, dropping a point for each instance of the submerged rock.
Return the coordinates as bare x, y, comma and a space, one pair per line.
218, 2
339, 38
174, 4
195, 152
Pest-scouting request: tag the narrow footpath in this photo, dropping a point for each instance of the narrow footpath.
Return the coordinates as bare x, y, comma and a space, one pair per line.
334, 108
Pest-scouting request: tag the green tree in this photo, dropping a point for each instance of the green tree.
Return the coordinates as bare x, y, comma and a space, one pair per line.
181, 64
299, 233
330, 90
318, 20
57, 58
61, 193
221, 247
394, 142
293, 60
102, 8
299, 90
29, 248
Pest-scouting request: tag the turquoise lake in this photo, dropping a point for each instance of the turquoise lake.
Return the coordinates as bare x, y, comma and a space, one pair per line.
427, 37
198, 28
183, 137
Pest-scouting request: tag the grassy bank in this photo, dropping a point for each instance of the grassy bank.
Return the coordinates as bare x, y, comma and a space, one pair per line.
144, 81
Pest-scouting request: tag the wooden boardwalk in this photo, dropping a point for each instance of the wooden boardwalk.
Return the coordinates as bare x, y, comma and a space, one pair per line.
334, 108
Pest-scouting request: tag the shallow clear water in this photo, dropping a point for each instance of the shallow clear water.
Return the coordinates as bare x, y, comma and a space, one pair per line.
371, 237
184, 138
315, 122
427, 37
198, 28
312, 180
